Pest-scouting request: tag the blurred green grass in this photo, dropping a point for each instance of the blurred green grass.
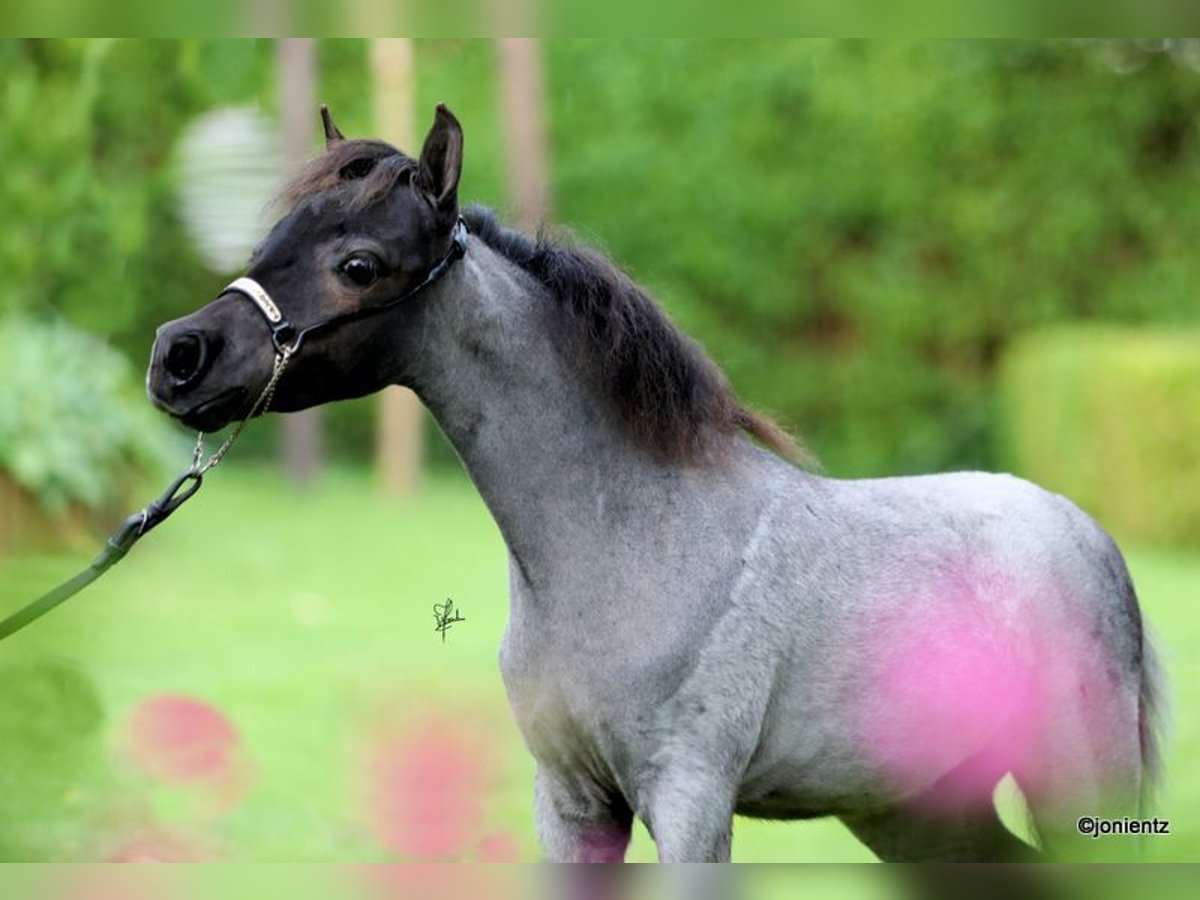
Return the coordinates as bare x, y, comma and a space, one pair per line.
307, 618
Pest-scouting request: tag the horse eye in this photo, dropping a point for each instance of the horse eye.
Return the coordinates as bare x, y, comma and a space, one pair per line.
356, 168
361, 269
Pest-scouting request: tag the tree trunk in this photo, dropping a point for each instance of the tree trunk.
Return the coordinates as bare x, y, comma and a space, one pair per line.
296, 60
399, 438
523, 125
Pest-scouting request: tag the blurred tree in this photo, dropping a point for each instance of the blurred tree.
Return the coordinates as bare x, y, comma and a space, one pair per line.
301, 445
522, 120
401, 422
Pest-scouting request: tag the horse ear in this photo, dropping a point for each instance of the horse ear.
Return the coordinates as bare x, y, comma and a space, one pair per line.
441, 158
332, 134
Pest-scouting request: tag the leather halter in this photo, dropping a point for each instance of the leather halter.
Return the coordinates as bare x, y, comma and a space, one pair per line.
287, 338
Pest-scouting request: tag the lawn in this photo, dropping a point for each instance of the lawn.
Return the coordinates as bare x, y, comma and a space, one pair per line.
261, 680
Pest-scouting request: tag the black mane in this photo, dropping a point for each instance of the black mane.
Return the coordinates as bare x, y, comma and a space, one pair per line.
665, 391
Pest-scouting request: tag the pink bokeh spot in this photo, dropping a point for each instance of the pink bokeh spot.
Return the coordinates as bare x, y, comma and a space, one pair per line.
498, 848
965, 676
159, 847
945, 688
427, 786
178, 739
408, 881
100, 881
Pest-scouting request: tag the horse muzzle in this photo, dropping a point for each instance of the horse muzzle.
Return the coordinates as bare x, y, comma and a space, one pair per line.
180, 360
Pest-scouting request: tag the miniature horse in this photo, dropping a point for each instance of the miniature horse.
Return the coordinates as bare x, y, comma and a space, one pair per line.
699, 627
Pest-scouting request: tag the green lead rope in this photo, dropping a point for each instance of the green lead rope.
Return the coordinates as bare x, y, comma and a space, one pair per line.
141, 523
114, 550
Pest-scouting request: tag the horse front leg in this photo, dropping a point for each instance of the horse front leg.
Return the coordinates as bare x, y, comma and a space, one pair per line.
689, 814
579, 826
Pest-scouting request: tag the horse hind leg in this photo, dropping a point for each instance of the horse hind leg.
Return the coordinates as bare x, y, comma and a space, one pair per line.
953, 821
1088, 765
1094, 750
908, 834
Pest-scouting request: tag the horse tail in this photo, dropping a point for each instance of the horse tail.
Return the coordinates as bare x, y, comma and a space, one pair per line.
1152, 712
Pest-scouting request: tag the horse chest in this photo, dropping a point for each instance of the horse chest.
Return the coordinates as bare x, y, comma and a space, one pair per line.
580, 708
549, 691
566, 726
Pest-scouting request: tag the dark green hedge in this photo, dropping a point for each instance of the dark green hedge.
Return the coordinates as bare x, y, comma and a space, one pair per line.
1111, 419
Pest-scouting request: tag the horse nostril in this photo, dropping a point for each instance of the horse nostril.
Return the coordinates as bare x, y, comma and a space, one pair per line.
185, 359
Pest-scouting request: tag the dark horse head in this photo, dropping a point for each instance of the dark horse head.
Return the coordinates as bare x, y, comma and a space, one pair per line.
340, 286
366, 225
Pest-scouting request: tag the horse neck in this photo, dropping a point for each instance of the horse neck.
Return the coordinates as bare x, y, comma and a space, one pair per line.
546, 459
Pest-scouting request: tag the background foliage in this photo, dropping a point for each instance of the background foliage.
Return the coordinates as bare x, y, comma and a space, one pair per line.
88, 133
1109, 418
855, 229
75, 427
858, 229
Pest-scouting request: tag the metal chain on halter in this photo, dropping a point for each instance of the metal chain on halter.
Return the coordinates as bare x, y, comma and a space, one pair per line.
260, 405
182, 489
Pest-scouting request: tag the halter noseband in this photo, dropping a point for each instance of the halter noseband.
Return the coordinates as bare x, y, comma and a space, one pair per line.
287, 338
